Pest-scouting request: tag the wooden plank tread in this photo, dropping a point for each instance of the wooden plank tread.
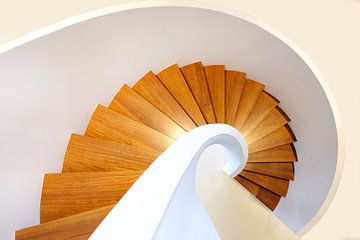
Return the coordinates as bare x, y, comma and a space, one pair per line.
66, 194
264, 105
75, 227
249, 96
86, 154
195, 78
215, 76
267, 197
280, 136
270, 123
109, 125
284, 153
278, 170
150, 88
174, 81
234, 82
131, 104
276, 185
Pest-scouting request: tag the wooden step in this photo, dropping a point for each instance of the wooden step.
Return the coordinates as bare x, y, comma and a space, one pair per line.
131, 104
151, 89
234, 82
174, 81
264, 105
250, 94
284, 153
66, 194
215, 76
109, 125
86, 154
195, 78
75, 227
280, 136
276, 185
273, 121
267, 197
278, 170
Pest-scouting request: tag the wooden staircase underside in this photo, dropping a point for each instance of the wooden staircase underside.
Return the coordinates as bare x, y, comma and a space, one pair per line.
142, 121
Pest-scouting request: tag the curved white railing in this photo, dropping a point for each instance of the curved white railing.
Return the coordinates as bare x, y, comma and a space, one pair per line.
163, 203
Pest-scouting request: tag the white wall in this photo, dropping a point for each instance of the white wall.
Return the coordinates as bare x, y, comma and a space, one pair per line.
49, 88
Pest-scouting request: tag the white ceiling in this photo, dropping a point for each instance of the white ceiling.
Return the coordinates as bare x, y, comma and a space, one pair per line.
50, 87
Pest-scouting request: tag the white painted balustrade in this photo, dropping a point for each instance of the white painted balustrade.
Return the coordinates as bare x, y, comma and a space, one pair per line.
163, 203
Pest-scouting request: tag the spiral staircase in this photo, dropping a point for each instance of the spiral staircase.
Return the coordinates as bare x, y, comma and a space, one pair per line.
142, 121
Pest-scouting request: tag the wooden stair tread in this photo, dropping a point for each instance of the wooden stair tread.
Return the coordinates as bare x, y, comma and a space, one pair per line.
263, 106
267, 197
196, 80
249, 96
234, 82
280, 136
151, 89
278, 170
131, 104
270, 123
109, 125
75, 227
275, 185
86, 154
66, 194
174, 81
215, 76
284, 153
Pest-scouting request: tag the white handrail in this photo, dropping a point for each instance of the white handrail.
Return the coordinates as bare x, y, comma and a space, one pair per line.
163, 203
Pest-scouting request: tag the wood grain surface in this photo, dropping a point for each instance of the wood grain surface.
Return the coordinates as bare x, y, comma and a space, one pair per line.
86, 154
280, 136
250, 93
215, 76
66, 194
264, 105
75, 227
278, 170
131, 104
234, 82
276, 185
109, 125
174, 81
196, 80
150, 88
284, 153
267, 197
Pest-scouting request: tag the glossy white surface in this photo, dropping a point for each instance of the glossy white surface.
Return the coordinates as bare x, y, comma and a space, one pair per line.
163, 202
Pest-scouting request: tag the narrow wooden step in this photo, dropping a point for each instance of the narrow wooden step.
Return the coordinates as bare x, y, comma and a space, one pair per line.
109, 125
278, 170
264, 105
284, 153
67, 194
131, 104
174, 81
234, 82
150, 88
267, 197
280, 136
273, 121
249, 96
215, 76
276, 185
195, 78
86, 154
75, 227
